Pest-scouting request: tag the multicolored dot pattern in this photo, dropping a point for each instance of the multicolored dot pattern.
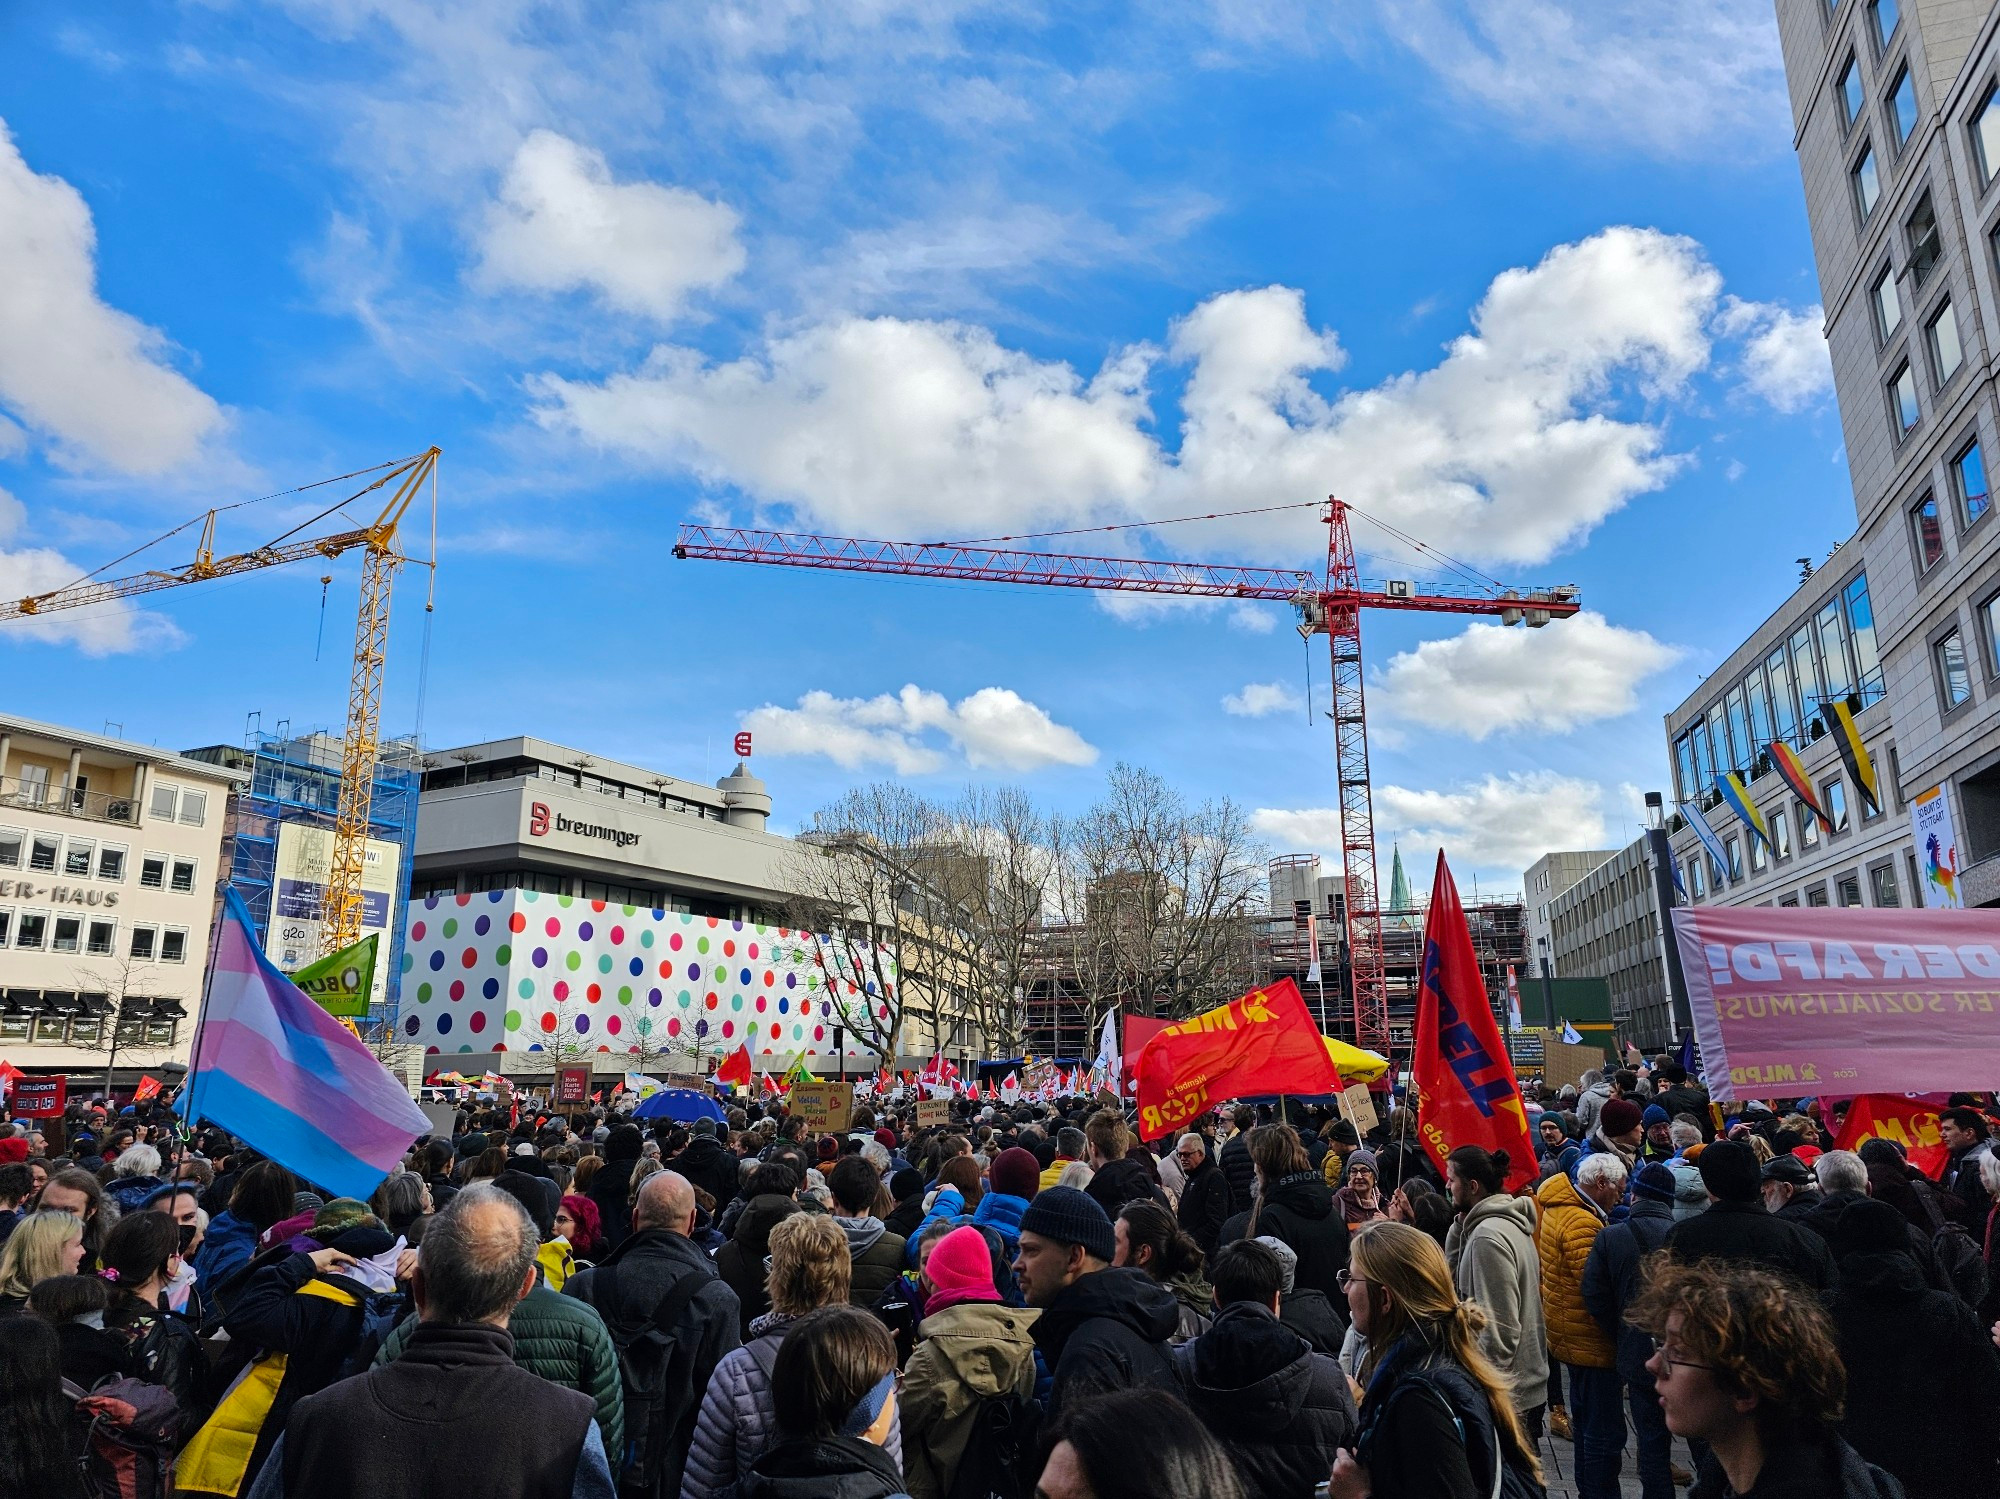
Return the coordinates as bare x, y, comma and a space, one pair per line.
508, 970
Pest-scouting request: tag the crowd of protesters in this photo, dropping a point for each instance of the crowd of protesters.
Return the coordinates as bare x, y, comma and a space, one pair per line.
1025, 1300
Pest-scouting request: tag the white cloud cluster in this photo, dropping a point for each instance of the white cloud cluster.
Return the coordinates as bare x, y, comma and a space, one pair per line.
562, 223
992, 729
1261, 699
1491, 678
92, 379
1508, 449
100, 630
1784, 358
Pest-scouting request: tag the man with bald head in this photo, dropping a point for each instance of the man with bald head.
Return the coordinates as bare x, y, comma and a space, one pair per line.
454, 1414
673, 1317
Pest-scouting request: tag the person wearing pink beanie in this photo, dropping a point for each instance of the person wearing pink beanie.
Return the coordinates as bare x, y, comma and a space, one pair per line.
971, 1347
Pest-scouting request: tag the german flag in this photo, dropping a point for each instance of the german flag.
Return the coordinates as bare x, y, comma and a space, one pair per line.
1853, 753
1786, 759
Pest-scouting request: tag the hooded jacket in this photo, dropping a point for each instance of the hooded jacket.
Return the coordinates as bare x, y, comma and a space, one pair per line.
1494, 1262
1123, 1181
1299, 1210
1744, 1231
1280, 1410
1570, 1225
1108, 1330
740, 1262
823, 1468
710, 1165
1826, 1469
878, 1257
1001, 1212
1611, 1282
970, 1352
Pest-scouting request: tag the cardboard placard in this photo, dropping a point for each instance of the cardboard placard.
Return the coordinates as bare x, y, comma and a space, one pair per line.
933, 1113
572, 1085
39, 1097
1358, 1108
1563, 1064
826, 1107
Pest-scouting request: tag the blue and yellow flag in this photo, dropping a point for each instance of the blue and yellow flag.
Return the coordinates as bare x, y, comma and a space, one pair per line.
1733, 792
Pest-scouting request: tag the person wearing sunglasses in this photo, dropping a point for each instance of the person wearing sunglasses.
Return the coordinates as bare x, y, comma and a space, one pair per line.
1748, 1370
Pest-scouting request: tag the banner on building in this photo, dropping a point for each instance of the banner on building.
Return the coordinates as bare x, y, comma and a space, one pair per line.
1936, 843
1790, 1000
298, 898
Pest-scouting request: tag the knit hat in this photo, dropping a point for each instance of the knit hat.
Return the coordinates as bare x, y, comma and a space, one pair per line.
1618, 1116
1655, 1181
1343, 1133
1069, 1217
1729, 1171
1869, 1227
1655, 1115
961, 1268
1288, 1258
527, 1190
307, 1202
886, 1138
1362, 1157
906, 1183
13, 1151
343, 1213
1016, 1172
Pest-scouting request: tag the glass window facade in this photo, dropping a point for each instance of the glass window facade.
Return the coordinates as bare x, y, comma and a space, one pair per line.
1927, 533
1985, 136
1849, 90
1888, 306
1833, 796
1781, 832
1903, 407
1947, 354
1968, 477
1954, 680
1903, 107
1867, 183
1886, 14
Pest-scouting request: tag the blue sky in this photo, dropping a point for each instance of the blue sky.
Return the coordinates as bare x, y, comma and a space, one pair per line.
1528, 278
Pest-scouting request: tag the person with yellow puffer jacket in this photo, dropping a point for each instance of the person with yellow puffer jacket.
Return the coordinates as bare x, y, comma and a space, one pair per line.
1573, 1215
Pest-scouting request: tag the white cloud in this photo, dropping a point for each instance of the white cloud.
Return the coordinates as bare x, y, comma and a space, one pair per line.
1784, 360
1500, 823
1491, 678
1669, 79
992, 729
1143, 609
1260, 699
100, 630
89, 377
1509, 448
562, 224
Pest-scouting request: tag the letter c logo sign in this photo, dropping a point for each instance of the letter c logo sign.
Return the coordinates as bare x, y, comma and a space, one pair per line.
538, 819
743, 744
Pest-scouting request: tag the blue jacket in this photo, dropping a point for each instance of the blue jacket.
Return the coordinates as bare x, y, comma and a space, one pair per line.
230, 1244
1001, 1212
947, 1207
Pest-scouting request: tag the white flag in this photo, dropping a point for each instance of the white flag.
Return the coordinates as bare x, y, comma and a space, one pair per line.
1108, 1061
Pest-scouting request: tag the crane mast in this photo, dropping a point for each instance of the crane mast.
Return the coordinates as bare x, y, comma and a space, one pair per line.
1330, 606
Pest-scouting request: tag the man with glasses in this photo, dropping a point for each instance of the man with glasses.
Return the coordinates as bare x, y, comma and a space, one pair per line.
1205, 1199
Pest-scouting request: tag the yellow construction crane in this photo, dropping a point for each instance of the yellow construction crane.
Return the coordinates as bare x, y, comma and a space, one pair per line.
341, 917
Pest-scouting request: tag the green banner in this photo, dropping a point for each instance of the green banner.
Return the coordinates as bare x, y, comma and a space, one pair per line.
340, 982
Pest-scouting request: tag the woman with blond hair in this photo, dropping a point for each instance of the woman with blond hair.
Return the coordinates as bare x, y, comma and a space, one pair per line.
41, 1245
1436, 1417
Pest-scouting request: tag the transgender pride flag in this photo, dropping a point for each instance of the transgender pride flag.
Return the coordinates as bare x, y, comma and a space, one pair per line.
275, 1070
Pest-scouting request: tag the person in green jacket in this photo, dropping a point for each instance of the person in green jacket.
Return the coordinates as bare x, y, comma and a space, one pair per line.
557, 1337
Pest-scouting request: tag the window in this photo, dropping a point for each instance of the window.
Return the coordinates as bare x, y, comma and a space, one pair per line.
1784, 695
174, 945
1989, 626
164, 798
1861, 635
1848, 90
1698, 875
32, 930
1953, 678
1886, 16
1816, 895
6, 925
102, 940
1968, 477
1848, 888
153, 872
85, 1030
1946, 353
1903, 107
34, 784
42, 854
1904, 413
1739, 728
1928, 533
183, 880
111, 862
145, 941
1833, 796
1882, 885
1833, 651
1867, 182
1808, 829
194, 804
1735, 849
13, 1027
1925, 247
1781, 832
11, 842
1888, 306
77, 858
69, 934
1759, 859
160, 1032
1986, 137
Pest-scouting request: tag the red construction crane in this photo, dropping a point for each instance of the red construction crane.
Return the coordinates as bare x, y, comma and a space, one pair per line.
1330, 606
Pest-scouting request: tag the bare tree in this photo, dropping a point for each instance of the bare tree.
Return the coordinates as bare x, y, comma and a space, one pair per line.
126, 985
991, 895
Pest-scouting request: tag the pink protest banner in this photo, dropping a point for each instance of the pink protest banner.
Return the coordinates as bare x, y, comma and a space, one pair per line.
1790, 1001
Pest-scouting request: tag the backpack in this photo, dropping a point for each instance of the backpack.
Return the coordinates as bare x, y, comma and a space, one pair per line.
655, 1369
380, 1312
1000, 1452
1508, 1480
128, 1449
1958, 1253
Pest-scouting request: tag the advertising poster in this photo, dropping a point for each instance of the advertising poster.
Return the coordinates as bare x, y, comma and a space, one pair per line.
305, 863
1937, 850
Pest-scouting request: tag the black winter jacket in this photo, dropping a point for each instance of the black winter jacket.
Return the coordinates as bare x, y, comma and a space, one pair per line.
1280, 1410
710, 1165
1828, 1469
1108, 1331
1744, 1231
607, 1190
1319, 1321
1611, 1276
1240, 1171
1205, 1206
740, 1262
1124, 1181
1826, 1213
1298, 1210
1919, 1366
1409, 1441
823, 1468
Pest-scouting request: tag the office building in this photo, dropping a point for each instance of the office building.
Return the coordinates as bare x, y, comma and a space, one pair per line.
1544, 880
1607, 925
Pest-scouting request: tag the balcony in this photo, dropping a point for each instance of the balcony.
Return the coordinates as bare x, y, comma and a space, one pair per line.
89, 806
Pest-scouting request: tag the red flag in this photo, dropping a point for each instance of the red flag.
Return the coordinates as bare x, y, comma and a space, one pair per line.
598, 1096
1469, 1095
1911, 1122
149, 1087
1265, 1042
735, 1067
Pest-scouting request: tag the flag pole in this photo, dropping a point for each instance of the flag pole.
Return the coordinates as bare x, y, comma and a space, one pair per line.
189, 1083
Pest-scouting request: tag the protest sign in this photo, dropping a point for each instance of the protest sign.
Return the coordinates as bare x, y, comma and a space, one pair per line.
1358, 1108
572, 1085
825, 1107
39, 1097
933, 1113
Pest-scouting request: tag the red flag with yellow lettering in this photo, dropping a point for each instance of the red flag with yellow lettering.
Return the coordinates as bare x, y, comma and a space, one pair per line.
1265, 1042
1461, 1070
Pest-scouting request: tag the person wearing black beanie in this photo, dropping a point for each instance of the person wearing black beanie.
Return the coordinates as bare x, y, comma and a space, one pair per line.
1736, 1226
608, 1189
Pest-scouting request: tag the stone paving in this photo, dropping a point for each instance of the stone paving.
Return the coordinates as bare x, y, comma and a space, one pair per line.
1559, 1466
